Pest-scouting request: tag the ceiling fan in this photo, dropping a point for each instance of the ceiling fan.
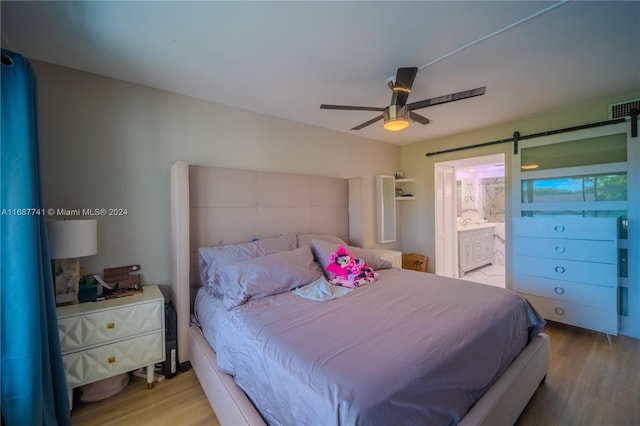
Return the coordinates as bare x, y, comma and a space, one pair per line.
396, 116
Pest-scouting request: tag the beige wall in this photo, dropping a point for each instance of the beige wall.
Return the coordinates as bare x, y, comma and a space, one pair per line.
418, 217
106, 143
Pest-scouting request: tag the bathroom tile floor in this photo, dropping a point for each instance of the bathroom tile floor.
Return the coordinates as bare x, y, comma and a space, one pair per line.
490, 274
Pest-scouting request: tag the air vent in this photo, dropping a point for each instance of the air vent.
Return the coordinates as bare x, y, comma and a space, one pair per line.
623, 109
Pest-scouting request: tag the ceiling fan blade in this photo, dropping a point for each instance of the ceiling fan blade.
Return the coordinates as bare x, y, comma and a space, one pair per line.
420, 119
367, 123
351, 108
447, 98
402, 85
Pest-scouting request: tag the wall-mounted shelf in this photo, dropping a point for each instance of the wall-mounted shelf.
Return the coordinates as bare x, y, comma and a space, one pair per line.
404, 197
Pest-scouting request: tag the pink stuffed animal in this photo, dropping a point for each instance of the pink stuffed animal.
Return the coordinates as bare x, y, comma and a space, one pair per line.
348, 270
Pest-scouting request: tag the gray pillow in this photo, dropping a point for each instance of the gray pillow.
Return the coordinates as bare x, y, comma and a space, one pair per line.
322, 251
266, 276
283, 242
211, 259
305, 239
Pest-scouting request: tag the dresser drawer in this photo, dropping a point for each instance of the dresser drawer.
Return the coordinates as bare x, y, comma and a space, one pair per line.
598, 319
605, 274
81, 331
108, 360
556, 248
566, 227
584, 294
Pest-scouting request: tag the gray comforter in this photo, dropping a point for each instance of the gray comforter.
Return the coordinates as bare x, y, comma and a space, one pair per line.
411, 349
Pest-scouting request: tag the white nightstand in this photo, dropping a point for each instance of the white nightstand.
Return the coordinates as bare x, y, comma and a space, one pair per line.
394, 256
102, 339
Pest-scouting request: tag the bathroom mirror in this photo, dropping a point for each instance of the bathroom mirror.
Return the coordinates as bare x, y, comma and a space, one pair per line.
386, 208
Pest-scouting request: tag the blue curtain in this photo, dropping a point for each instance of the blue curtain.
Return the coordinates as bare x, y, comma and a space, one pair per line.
34, 389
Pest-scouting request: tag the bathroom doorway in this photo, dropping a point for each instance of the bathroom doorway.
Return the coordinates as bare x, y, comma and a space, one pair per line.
470, 216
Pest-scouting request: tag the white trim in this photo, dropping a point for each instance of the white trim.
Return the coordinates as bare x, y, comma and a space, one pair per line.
575, 206
596, 169
180, 290
630, 325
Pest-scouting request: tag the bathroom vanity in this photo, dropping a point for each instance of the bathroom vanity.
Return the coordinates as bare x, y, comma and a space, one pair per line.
475, 246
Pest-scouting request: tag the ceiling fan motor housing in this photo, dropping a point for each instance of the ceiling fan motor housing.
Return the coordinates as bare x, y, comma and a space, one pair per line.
395, 117
394, 112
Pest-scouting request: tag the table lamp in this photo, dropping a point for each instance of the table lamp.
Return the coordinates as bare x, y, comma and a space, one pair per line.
69, 240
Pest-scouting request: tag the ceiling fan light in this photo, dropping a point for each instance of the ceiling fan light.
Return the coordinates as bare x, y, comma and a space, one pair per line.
396, 125
395, 118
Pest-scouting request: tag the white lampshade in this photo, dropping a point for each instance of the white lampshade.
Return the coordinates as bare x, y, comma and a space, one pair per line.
72, 238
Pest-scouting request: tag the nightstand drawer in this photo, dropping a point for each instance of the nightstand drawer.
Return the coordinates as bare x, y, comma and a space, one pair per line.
108, 360
81, 331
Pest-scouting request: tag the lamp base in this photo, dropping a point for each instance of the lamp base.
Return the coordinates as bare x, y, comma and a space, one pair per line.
66, 299
66, 274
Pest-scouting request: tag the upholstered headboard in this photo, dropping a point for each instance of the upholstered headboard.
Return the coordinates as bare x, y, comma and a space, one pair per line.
212, 206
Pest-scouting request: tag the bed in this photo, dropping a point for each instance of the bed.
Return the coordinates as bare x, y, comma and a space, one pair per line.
207, 212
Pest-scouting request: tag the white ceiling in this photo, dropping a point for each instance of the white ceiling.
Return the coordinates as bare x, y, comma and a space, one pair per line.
286, 58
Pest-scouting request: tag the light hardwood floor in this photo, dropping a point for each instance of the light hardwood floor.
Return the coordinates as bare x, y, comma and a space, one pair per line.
590, 383
179, 401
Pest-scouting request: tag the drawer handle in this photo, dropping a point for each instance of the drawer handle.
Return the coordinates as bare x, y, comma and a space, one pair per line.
559, 290
559, 228
559, 311
559, 269
560, 249
111, 325
112, 359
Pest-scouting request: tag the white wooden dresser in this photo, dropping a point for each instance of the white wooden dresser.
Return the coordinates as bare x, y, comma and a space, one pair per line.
567, 267
102, 339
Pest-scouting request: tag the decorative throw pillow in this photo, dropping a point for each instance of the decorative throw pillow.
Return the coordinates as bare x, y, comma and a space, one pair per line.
349, 271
